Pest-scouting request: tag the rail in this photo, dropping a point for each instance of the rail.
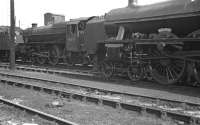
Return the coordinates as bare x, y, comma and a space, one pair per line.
58, 120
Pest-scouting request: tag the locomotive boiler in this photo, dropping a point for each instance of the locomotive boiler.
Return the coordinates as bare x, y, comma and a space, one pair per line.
160, 40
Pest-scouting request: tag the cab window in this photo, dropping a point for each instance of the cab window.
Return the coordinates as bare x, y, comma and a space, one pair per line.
72, 29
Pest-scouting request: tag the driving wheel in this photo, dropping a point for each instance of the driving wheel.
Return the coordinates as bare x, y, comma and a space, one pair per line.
167, 70
134, 73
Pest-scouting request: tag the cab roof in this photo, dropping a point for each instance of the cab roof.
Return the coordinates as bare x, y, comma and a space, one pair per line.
78, 20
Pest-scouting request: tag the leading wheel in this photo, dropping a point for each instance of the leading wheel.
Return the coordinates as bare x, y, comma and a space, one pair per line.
54, 54
33, 59
167, 71
41, 60
107, 69
134, 73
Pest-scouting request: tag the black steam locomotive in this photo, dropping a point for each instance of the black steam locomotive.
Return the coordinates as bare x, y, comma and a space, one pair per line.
73, 42
160, 40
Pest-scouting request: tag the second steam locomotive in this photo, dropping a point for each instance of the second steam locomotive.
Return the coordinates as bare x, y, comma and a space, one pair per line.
73, 42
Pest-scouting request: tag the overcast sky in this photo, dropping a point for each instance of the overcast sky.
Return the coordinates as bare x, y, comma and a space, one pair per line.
31, 11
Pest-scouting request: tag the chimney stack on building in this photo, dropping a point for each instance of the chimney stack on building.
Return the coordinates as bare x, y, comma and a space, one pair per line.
34, 25
50, 18
132, 3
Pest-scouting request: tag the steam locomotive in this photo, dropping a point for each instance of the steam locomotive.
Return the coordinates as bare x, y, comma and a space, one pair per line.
73, 42
161, 41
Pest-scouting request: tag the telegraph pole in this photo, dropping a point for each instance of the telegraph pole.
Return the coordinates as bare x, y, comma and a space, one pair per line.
12, 35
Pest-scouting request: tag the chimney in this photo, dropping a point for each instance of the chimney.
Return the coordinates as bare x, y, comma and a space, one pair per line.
132, 3
34, 25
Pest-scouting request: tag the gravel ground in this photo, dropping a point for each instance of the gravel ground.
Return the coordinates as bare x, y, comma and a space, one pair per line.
12, 116
75, 111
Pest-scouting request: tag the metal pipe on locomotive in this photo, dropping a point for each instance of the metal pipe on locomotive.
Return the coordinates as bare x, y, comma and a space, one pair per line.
160, 40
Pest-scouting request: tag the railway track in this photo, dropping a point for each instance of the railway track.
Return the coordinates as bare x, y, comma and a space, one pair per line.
72, 72
185, 111
57, 120
87, 74
78, 73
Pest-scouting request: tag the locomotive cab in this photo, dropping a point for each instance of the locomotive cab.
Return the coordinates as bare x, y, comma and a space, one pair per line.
72, 37
74, 51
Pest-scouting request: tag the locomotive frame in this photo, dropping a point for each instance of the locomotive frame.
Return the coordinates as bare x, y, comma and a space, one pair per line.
140, 64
